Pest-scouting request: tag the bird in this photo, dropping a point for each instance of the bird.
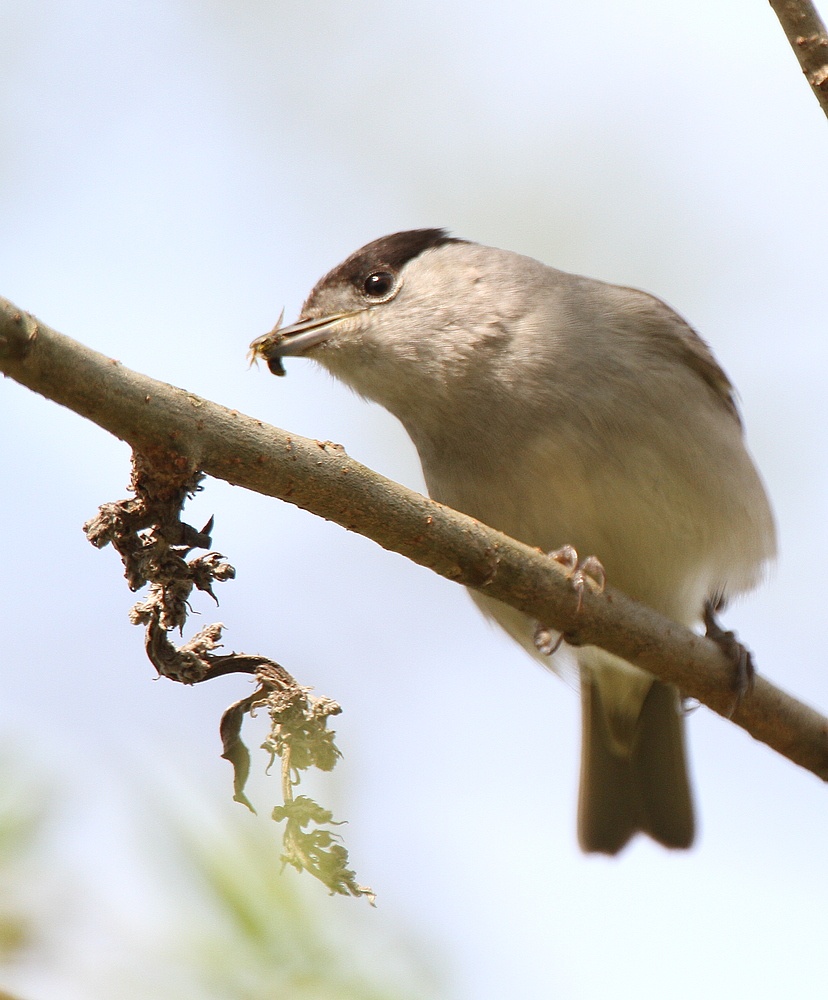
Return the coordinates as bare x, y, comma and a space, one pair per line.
573, 415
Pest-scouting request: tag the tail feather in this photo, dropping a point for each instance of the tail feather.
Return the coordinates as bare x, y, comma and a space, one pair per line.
645, 789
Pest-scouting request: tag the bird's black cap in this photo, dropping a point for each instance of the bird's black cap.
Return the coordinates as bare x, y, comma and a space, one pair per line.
391, 252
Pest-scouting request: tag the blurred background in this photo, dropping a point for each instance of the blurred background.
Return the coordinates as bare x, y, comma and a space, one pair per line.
173, 173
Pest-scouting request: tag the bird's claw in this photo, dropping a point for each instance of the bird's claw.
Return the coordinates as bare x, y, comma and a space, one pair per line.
744, 670
546, 640
587, 574
582, 574
567, 557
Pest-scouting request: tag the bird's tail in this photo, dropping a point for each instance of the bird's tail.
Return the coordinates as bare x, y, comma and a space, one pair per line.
640, 783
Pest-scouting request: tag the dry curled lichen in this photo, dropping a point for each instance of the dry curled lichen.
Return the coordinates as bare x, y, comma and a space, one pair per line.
155, 546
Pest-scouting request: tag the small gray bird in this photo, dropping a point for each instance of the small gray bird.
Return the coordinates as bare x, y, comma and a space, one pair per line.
561, 411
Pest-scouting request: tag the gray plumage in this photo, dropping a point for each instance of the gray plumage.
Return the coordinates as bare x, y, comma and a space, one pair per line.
561, 410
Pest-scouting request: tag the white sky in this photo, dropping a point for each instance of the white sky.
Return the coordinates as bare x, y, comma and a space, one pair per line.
171, 175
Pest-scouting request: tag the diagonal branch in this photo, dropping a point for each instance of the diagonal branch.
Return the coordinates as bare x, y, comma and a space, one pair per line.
182, 429
806, 32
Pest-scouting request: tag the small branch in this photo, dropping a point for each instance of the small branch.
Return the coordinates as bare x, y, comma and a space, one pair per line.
809, 40
163, 422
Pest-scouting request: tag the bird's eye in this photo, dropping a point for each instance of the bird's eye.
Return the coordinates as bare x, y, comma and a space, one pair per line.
379, 284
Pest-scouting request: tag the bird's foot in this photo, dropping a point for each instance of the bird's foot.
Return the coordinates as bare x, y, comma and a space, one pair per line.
546, 640
582, 574
743, 668
591, 575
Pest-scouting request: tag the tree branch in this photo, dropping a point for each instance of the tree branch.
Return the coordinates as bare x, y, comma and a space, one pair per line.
809, 40
183, 431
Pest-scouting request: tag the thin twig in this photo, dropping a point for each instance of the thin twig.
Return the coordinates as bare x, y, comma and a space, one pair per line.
809, 40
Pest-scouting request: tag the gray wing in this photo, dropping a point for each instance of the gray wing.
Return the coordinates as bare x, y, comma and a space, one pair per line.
672, 337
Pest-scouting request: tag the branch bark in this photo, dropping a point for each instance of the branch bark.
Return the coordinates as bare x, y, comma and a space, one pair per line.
176, 427
809, 40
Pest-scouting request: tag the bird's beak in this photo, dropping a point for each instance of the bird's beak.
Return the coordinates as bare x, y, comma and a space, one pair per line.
287, 341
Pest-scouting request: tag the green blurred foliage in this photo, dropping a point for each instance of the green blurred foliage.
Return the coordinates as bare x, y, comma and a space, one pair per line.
229, 921
239, 926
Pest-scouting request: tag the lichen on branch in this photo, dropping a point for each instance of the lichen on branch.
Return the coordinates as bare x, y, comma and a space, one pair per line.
155, 546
